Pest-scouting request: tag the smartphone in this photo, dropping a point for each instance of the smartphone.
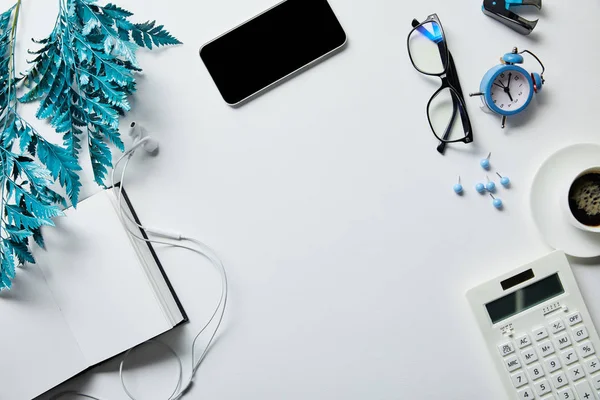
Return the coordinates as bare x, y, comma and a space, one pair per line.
271, 47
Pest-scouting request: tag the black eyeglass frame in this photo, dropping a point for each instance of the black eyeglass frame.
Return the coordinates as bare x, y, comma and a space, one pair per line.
450, 81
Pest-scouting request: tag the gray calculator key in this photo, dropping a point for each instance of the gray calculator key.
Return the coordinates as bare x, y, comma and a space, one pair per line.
580, 333
592, 365
526, 394
584, 391
586, 349
559, 380
569, 356
542, 387
557, 326
546, 348
506, 349
566, 394
574, 319
512, 363
519, 379
563, 340
529, 355
540, 333
576, 372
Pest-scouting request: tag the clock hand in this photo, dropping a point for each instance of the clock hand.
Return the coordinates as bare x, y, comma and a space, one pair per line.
507, 91
509, 78
500, 86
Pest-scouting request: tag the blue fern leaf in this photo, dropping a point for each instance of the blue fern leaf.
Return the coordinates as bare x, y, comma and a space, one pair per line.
62, 166
82, 76
116, 12
27, 202
100, 157
156, 34
7, 266
21, 251
18, 234
38, 238
34, 205
17, 216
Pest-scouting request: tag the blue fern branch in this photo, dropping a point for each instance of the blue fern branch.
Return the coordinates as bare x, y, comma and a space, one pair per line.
26, 202
83, 74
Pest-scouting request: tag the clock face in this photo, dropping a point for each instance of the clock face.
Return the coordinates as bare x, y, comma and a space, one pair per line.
510, 91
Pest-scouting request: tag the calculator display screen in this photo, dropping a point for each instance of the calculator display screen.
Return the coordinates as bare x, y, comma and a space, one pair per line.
525, 298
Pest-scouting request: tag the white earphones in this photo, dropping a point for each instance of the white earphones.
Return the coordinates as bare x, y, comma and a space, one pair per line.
138, 134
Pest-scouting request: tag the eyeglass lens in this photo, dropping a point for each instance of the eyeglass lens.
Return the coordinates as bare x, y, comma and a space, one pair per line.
427, 49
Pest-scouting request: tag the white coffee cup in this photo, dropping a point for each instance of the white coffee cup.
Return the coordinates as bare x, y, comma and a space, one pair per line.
566, 204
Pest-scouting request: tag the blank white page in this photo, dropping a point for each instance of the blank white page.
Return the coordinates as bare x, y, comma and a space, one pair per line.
98, 281
37, 347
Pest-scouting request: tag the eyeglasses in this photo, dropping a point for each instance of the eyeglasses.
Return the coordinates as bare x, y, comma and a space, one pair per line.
429, 54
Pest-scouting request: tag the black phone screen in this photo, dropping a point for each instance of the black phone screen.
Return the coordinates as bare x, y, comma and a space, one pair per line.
271, 46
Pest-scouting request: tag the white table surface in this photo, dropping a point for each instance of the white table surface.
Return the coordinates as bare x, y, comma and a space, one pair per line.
348, 253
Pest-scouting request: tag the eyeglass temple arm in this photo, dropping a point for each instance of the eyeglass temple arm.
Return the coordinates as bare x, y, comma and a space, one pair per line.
442, 146
452, 79
415, 24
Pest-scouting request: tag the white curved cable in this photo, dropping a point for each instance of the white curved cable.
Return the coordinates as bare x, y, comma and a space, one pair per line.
203, 250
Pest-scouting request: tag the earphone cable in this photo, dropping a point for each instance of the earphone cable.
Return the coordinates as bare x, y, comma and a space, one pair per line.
203, 250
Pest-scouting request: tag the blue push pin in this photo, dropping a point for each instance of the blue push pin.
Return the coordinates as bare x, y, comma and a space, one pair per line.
485, 163
480, 187
504, 180
458, 188
497, 202
490, 186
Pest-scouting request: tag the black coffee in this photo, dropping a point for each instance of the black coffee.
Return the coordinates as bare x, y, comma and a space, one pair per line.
584, 199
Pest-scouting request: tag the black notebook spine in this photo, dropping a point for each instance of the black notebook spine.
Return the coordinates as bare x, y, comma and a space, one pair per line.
158, 263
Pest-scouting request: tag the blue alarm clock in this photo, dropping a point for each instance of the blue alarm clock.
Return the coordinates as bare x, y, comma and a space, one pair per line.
507, 89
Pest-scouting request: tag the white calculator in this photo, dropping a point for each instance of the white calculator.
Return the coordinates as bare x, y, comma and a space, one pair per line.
539, 332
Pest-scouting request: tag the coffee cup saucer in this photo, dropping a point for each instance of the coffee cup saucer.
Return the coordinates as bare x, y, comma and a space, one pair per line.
549, 183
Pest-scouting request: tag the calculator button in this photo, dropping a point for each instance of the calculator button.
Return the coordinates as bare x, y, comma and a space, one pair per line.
576, 373
523, 341
542, 387
596, 382
592, 365
563, 341
535, 372
566, 394
525, 394
552, 364
540, 333
557, 326
559, 380
586, 349
569, 356
546, 348
584, 391
519, 379
580, 333
529, 356
506, 349
512, 363
574, 319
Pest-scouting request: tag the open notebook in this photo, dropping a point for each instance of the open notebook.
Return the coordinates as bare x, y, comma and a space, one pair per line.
95, 293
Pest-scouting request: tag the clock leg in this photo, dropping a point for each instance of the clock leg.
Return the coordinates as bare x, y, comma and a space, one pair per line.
503, 121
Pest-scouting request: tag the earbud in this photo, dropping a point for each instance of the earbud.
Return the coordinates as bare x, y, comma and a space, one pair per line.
138, 133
